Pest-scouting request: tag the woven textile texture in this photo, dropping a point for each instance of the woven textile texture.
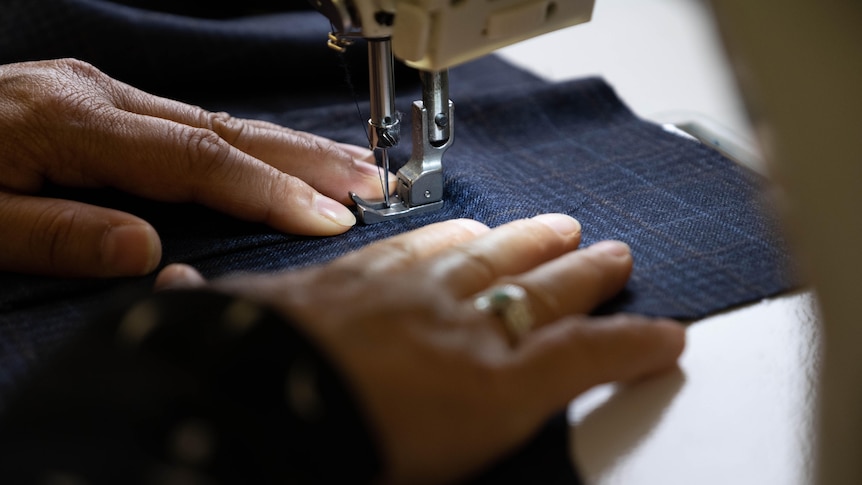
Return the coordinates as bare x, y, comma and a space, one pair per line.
702, 239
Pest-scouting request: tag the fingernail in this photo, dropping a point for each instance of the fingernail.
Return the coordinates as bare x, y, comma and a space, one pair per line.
561, 223
178, 276
131, 249
334, 211
614, 248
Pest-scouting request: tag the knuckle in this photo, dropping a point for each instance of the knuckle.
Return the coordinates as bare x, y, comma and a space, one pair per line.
80, 69
57, 105
71, 75
398, 252
320, 150
207, 153
476, 262
543, 301
51, 235
229, 128
72, 90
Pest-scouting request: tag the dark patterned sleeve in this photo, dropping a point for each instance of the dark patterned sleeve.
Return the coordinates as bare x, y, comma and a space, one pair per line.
189, 387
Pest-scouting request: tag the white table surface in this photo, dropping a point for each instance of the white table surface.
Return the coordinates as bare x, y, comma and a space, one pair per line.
740, 407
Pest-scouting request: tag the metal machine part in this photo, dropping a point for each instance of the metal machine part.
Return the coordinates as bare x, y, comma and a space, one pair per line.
420, 180
384, 122
430, 36
384, 125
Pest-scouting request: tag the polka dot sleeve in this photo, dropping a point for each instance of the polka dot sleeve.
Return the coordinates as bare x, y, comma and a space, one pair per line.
188, 387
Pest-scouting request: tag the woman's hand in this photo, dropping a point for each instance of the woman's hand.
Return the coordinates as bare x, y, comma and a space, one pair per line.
445, 386
66, 122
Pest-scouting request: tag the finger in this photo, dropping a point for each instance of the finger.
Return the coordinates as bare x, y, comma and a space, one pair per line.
66, 238
405, 250
401, 252
366, 162
135, 100
322, 163
509, 249
178, 276
359, 153
576, 282
329, 167
558, 362
168, 161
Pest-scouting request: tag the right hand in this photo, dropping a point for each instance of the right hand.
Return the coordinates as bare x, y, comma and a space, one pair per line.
66, 122
442, 383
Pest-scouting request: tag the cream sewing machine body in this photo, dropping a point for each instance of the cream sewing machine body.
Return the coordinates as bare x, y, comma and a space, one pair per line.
430, 36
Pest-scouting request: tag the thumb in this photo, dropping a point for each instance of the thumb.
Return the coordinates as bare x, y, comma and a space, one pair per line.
66, 238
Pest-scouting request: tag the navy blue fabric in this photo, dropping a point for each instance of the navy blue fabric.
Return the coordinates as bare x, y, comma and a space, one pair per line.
701, 239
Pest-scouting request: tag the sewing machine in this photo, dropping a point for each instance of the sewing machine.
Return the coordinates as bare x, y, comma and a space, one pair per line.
431, 36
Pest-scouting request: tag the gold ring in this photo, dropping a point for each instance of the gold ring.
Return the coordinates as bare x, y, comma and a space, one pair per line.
508, 302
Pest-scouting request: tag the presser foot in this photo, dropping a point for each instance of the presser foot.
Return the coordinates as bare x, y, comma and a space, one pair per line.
378, 211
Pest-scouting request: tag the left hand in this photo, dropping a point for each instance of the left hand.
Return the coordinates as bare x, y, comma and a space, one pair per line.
441, 382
